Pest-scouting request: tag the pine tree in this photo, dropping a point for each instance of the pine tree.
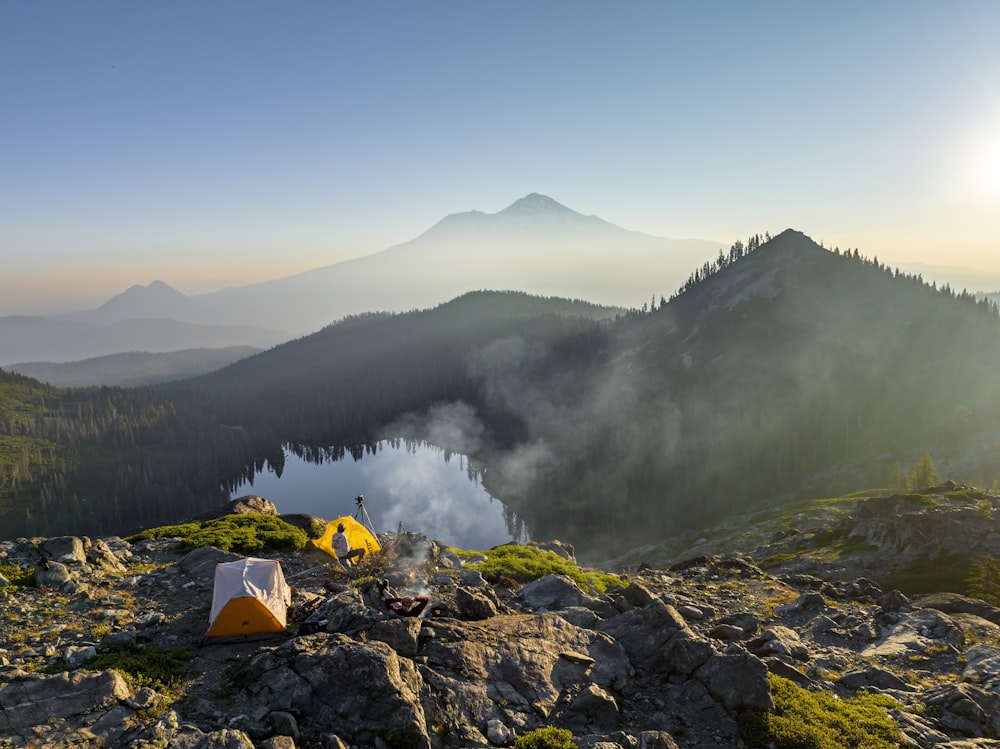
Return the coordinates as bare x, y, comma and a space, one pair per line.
984, 580
924, 475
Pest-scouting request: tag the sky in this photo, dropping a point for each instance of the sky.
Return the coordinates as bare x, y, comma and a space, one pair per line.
218, 144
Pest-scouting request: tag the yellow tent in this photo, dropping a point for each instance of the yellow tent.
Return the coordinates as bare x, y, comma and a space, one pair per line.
250, 599
357, 535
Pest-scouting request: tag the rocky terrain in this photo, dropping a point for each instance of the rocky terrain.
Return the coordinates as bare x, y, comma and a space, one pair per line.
675, 656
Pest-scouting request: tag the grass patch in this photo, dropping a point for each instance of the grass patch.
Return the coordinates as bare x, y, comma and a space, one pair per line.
244, 534
805, 507
819, 720
968, 494
527, 563
829, 536
775, 560
144, 666
854, 545
16, 576
946, 572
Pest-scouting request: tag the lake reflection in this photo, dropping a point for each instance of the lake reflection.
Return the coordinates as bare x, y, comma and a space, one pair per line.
417, 485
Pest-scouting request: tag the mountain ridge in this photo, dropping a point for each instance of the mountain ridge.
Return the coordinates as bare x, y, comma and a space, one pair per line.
30, 339
782, 368
535, 245
133, 369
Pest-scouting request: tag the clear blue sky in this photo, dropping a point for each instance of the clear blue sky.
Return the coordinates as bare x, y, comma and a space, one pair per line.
218, 143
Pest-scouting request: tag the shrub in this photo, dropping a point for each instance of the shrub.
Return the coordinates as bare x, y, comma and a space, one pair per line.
243, 534
546, 738
819, 720
16, 576
144, 666
526, 563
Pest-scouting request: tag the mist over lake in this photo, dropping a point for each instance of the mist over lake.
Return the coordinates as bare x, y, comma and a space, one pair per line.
419, 485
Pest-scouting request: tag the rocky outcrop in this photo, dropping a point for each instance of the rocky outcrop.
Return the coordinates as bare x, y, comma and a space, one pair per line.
245, 505
668, 659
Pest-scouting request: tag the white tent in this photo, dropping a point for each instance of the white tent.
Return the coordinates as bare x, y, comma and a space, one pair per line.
250, 599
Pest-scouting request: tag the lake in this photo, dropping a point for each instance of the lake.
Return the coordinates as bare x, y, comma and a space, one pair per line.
416, 484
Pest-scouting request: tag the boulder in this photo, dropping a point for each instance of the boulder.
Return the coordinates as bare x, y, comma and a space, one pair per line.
100, 555
361, 691
64, 549
656, 638
189, 737
498, 733
914, 633
559, 548
982, 666
953, 603
31, 701
199, 564
249, 504
49, 574
592, 710
550, 593
778, 641
637, 594
474, 604
876, 677
656, 740
736, 680
75, 656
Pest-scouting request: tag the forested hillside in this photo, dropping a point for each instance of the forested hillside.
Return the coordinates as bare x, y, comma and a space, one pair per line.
107, 458
100, 459
780, 369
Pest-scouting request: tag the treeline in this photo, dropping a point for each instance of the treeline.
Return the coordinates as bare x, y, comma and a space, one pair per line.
600, 427
100, 460
709, 268
94, 459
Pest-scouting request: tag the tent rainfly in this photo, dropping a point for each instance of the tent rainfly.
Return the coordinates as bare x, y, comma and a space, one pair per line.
357, 535
250, 600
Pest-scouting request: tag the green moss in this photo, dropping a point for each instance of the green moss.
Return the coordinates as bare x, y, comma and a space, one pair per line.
182, 531
16, 576
243, 534
967, 493
144, 666
829, 536
819, 720
775, 560
546, 738
526, 563
920, 500
853, 546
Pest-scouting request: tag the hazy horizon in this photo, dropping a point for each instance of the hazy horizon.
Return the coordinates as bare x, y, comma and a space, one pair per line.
221, 145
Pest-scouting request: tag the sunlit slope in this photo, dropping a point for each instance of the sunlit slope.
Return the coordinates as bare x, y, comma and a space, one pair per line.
783, 368
917, 541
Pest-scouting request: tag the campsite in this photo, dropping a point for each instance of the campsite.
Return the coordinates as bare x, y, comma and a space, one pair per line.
107, 642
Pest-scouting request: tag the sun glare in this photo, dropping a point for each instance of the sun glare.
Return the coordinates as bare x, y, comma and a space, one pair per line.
990, 170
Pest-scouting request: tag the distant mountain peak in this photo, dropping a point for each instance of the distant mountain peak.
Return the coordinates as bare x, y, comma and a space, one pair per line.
534, 214
537, 204
156, 287
158, 299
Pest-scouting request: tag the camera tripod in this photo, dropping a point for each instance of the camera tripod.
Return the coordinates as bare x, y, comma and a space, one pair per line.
361, 514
